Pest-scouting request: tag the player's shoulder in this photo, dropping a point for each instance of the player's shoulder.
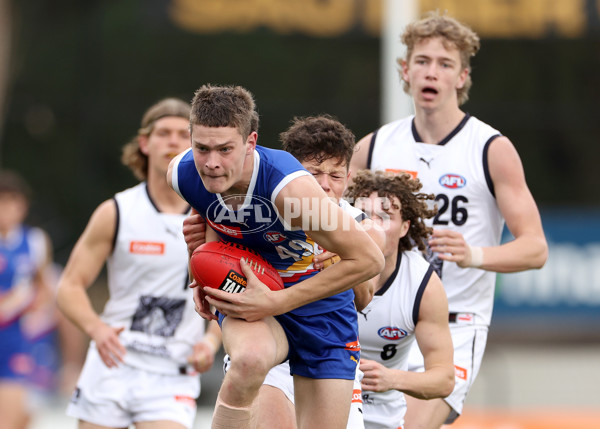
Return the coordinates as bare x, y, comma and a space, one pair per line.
398, 124
481, 127
416, 258
182, 163
277, 159
35, 233
133, 198
135, 190
394, 131
276, 170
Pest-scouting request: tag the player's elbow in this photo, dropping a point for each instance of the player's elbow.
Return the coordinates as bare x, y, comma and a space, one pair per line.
540, 255
61, 298
363, 294
447, 385
373, 263
443, 386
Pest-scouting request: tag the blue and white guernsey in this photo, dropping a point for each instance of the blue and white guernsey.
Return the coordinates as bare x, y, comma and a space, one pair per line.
257, 223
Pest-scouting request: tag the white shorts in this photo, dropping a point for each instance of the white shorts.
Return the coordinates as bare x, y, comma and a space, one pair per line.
280, 378
469, 344
384, 413
119, 397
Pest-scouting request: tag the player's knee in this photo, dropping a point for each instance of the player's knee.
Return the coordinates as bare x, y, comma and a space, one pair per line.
249, 365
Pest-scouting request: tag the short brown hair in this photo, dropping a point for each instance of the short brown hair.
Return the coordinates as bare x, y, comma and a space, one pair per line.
319, 138
225, 106
413, 204
454, 34
132, 156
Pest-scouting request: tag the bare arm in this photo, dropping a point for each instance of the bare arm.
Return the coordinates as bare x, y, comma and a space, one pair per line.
363, 292
529, 248
359, 262
433, 336
203, 354
84, 264
194, 231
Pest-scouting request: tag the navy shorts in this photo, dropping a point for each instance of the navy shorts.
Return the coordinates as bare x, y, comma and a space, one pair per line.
322, 345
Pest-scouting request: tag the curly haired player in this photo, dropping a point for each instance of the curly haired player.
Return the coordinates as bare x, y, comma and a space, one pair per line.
409, 303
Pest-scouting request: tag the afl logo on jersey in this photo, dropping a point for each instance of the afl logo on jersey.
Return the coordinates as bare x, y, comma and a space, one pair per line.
255, 216
274, 237
391, 333
453, 181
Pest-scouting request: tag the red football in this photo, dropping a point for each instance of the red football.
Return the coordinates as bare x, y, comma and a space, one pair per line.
216, 264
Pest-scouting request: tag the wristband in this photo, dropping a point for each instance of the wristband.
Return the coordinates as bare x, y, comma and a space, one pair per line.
476, 256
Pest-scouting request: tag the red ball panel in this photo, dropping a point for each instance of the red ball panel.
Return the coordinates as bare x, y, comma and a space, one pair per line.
216, 264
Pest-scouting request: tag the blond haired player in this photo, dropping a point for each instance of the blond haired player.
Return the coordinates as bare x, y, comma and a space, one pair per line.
479, 183
148, 345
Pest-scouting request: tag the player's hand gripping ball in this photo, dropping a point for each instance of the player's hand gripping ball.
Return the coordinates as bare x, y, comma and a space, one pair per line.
216, 264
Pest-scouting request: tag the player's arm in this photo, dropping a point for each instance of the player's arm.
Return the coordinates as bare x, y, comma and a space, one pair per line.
85, 262
363, 292
202, 306
361, 155
529, 248
194, 231
204, 351
359, 262
433, 337
41, 280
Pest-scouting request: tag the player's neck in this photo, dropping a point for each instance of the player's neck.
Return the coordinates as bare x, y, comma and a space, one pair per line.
388, 270
165, 198
433, 126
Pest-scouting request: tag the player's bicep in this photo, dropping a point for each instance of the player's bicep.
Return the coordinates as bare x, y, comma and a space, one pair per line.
513, 196
93, 247
432, 331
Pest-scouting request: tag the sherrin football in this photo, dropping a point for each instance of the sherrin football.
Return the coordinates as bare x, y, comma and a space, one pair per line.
216, 264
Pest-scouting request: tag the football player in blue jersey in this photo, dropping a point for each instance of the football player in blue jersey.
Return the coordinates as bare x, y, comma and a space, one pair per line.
312, 322
24, 288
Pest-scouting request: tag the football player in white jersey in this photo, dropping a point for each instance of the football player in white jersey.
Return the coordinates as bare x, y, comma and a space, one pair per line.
409, 303
479, 183
324, 147
148, 345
